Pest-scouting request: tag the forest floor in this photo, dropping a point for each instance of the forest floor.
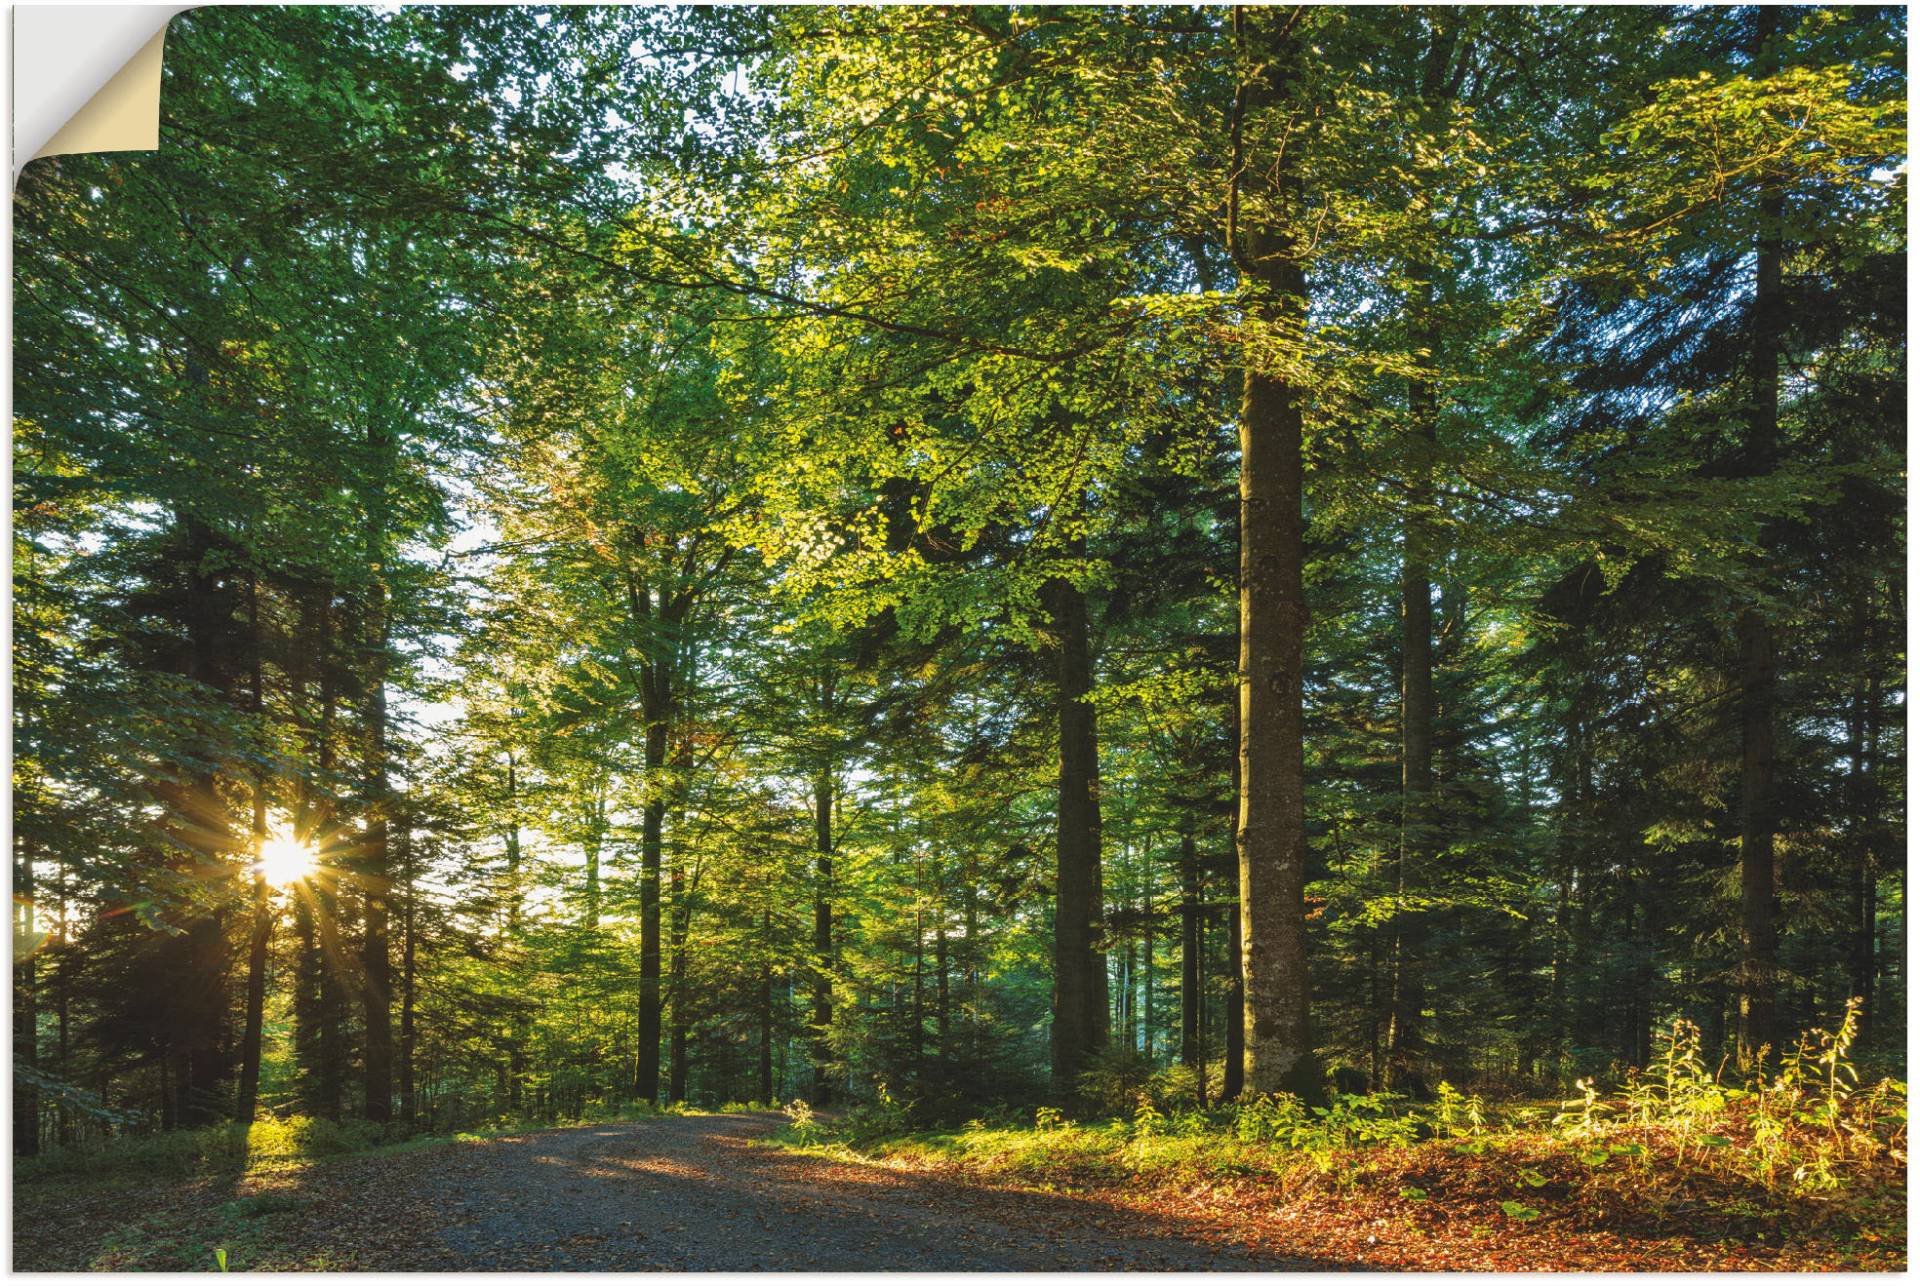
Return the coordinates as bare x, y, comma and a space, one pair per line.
721, 1192
1506, 1202
689, 1193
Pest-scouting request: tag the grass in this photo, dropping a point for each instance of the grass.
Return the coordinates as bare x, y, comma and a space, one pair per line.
1804, 1164
273, 1142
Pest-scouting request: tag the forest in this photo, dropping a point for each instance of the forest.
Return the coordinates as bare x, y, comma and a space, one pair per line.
1306, 579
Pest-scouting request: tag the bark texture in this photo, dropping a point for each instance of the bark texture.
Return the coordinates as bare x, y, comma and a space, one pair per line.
1271, 832
1755, 629
1079, 973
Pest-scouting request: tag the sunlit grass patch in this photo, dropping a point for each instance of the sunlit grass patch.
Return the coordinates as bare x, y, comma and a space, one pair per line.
1803, 1151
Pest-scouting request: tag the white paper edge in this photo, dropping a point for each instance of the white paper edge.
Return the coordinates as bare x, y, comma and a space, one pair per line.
64, 54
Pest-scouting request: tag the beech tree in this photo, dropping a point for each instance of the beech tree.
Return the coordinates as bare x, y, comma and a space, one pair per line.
949, 558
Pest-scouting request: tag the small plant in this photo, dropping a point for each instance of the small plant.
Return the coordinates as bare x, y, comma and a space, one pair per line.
1839, 1080
801, 1119
1586, 1121
1446, 1111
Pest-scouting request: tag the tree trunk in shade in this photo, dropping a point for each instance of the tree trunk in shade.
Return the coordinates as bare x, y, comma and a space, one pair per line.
1079, 972
1755, 630
823, 793
1271, 835
262, 930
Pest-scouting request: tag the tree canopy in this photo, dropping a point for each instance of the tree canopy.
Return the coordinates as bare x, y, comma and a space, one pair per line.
968, 555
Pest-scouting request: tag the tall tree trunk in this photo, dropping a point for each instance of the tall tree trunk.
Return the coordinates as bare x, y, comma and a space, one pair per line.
1146, 970
310, 987
1644, 970
1863, 734
1866, 960
1758, 979
592, 854
62, 1000
766, 1005
942, 1017
1577, 794
970, 957
1097, 961
1756, 836
1190, 964
916, 1044
1417, 842
306, 1004
595, 842
1405, 1038
261, 937
1378, 1009
646, 1082
677, 969
376, 964
1234, 1051
657, 711
409, 1102
201, 829
323, 966
249, 1096
26, 1012
823, 970
1079, 972
1273, 619
511, 894
513, 897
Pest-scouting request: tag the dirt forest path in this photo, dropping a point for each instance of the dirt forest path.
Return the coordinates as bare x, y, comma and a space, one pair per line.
696, 1193
677, 1193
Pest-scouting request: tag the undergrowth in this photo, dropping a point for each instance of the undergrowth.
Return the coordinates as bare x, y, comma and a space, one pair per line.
272, 1141
1804, 1129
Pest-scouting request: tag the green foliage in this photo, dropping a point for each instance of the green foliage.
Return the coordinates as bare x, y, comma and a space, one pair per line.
218, 1148
619, 508
1349, 1121
1784, 1133
1800, 1127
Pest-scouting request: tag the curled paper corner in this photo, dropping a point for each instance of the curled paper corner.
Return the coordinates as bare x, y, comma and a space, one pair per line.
86, 78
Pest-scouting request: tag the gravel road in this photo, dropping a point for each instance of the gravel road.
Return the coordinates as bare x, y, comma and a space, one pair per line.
695, 1193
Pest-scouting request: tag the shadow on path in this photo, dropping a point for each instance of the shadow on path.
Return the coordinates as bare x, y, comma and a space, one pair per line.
697, 1194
